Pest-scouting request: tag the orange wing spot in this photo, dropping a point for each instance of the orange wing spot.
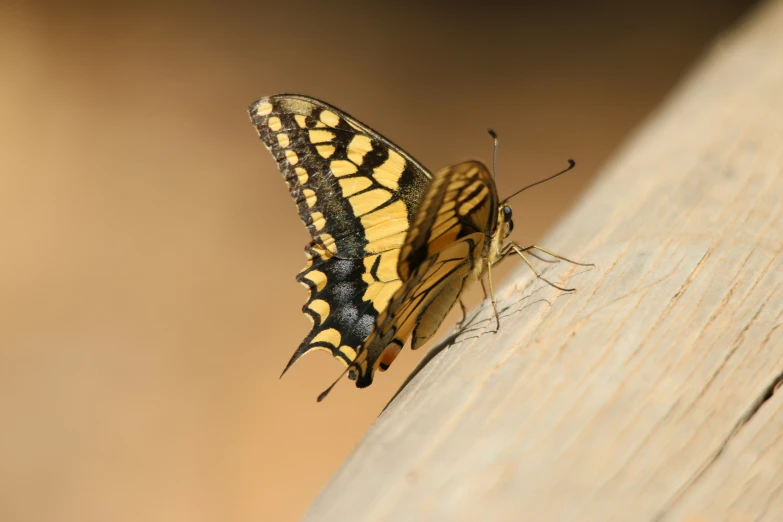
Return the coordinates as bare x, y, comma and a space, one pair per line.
387, 357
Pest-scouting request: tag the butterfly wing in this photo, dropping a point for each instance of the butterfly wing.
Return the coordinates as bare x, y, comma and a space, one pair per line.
356, 193
447, 243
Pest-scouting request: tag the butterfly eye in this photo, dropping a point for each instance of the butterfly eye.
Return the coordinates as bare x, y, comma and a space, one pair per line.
506, 213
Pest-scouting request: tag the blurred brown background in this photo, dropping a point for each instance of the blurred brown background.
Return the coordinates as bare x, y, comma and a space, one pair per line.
149, 246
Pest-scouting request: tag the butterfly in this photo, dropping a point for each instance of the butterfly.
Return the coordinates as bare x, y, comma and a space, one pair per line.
393, 246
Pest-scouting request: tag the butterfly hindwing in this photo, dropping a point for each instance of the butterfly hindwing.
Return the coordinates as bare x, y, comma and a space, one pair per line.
357, 193
448, 240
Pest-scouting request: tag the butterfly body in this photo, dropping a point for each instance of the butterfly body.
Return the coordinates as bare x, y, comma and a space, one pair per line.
393, 246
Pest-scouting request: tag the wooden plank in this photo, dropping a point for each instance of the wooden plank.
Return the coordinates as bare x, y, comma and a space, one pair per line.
648, 393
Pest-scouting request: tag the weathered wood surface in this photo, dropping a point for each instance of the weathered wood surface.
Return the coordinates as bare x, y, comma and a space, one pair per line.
649, 394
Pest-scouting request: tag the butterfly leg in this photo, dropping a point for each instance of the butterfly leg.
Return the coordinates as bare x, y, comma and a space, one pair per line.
513, 248
492, 296
509, 248
549, 252
464, 314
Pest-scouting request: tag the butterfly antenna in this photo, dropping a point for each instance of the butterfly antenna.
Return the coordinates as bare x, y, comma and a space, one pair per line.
494, 154
571, 164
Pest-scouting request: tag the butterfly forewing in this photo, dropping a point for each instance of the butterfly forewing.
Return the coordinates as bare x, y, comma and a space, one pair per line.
461, 199
357, 193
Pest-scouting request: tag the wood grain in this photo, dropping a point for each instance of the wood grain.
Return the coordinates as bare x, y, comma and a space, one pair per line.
648, 394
